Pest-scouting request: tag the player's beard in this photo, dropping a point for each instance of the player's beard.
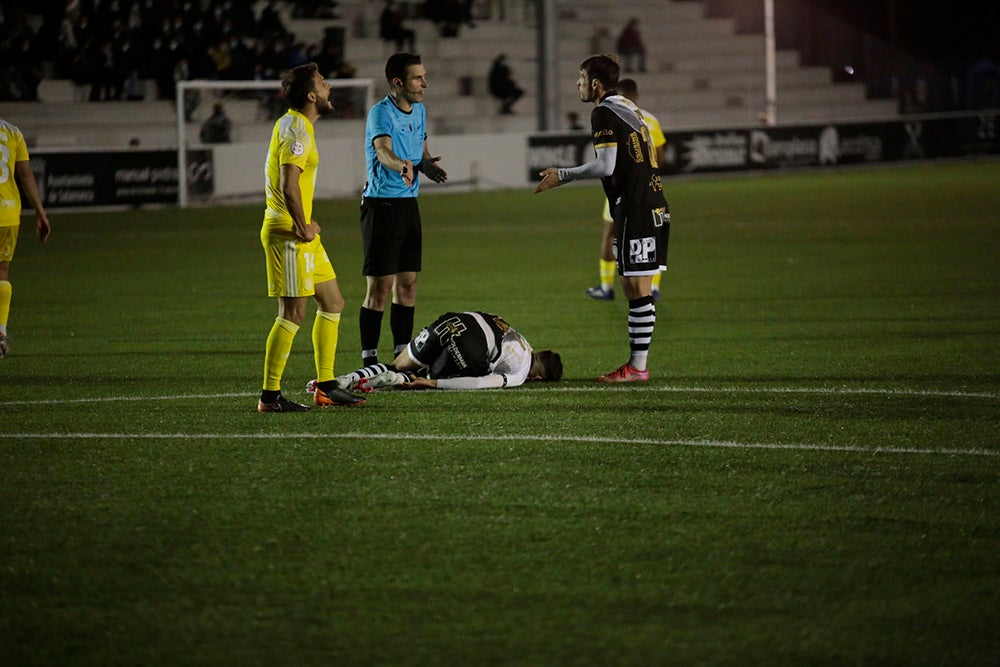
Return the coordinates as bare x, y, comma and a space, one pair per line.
325, 109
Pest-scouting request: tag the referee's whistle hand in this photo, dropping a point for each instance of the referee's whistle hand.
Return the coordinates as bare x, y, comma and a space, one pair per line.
407, 173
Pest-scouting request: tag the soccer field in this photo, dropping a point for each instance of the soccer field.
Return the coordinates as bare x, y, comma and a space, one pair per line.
811, 476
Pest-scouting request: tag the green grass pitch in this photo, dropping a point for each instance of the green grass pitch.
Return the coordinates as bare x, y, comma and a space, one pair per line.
812, 475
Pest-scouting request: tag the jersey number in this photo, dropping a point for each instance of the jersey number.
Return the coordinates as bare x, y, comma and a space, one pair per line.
636, 141
649, 148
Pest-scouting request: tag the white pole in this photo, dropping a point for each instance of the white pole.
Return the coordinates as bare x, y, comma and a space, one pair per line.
770, 64
548, 64
181, 148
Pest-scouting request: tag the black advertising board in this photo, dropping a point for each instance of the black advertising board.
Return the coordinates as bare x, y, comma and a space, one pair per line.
116, 178
557, 150
784, 147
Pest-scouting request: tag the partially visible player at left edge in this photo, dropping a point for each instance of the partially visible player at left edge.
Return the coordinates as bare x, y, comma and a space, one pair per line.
15, 169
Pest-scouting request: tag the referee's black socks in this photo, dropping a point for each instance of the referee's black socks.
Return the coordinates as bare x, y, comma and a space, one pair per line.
370, 323
401, 323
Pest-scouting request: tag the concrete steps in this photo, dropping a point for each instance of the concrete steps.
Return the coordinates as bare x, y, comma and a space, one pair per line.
699, 74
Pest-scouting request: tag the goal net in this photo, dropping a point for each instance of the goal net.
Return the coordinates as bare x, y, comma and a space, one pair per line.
224, 159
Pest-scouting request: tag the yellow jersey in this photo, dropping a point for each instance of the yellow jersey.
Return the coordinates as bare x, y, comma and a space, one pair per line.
12, 150
655, 131
293, 141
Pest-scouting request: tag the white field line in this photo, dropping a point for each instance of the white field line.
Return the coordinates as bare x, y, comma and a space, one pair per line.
828, 391
116, 399
442, 437
825, 391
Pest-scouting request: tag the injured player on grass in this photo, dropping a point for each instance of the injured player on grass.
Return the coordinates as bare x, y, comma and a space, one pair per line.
460, 350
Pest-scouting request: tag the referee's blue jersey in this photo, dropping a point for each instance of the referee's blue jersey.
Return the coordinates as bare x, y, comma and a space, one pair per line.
408, 132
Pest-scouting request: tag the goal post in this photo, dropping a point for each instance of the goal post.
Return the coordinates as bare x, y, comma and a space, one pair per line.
252, 107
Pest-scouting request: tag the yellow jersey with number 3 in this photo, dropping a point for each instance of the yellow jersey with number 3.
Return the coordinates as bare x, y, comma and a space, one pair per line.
12, 151
293, 141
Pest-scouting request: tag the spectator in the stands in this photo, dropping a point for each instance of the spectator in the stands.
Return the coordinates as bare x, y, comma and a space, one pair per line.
502, 84
108, 79
330, 59
449, 15
20, 71
217, 128
269, 23
391, 28
149, 39
314, 9
631, 47
130, 60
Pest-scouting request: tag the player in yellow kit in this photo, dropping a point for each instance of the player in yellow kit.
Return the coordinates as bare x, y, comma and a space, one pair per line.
14, 168
297, 264
606, 264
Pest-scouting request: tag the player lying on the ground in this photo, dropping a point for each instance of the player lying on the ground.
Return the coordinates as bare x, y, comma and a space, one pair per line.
469, 350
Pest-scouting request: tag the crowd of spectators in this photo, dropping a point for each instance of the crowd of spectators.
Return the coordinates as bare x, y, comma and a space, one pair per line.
106, 47
109, 47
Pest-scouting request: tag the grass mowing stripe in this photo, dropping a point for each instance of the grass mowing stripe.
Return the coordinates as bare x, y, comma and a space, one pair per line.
718, 444
112, 399
678, 390
789, 390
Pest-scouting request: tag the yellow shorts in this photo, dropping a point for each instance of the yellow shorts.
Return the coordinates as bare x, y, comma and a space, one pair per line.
607, 211
8, 241
294, 267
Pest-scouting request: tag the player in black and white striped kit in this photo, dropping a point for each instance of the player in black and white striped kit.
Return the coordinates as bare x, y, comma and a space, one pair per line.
625, 161
461, 350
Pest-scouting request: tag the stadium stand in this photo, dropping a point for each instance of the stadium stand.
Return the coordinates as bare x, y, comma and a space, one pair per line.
700, 73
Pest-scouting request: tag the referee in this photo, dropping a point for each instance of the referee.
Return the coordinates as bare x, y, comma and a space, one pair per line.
395, 151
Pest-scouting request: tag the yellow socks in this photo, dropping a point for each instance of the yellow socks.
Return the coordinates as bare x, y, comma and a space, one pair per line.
608, 270
325, 332
5, 291
279, 346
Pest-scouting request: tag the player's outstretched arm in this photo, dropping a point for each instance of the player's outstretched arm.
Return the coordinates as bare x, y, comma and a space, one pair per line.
391, 161
550, 179
601, 166
420, 383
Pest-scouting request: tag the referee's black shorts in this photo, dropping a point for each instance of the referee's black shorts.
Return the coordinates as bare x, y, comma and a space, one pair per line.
391, 235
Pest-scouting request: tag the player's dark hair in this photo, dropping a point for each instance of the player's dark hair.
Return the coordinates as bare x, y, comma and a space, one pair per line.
629, 88
297, 83
603, 68
398, 63
551, 363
